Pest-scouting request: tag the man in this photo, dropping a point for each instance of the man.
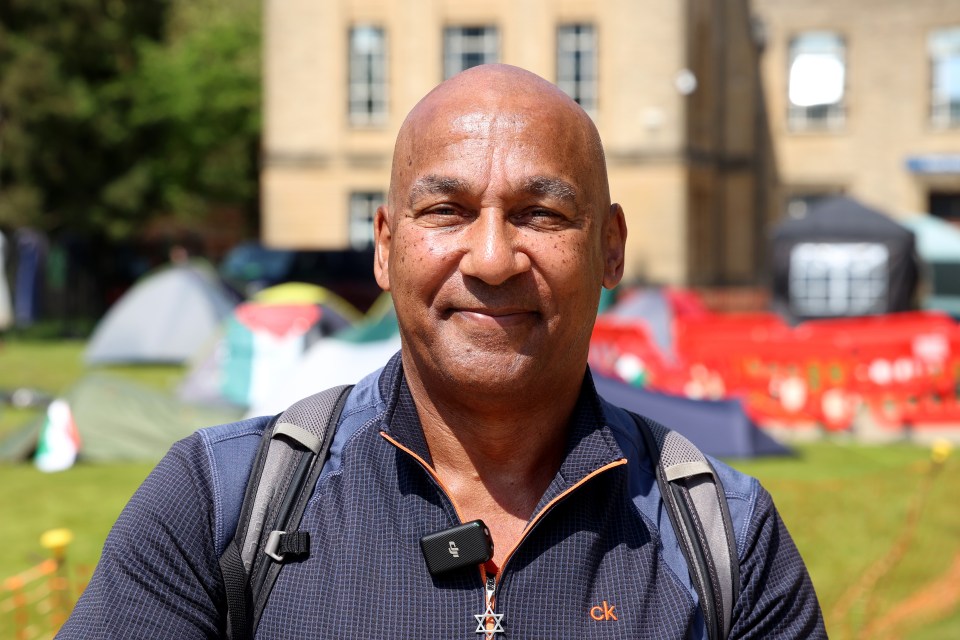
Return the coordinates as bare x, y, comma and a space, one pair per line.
496, 239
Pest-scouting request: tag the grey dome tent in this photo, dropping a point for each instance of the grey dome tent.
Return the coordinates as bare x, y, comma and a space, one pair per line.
842, 259
165, 318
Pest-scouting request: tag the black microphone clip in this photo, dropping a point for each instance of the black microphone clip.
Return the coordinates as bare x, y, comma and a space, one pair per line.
457, 547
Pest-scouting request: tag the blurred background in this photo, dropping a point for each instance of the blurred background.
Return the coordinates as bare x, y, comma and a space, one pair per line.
187, 193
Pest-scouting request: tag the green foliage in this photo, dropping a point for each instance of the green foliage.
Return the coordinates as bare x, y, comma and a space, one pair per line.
112, 112
201, 93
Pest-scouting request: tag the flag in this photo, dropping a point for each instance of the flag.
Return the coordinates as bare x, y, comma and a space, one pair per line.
59, 439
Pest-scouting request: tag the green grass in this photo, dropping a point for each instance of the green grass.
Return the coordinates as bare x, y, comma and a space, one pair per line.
86, 499
845, 504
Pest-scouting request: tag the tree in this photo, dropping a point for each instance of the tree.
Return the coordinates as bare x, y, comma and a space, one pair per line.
199, 94
112, 112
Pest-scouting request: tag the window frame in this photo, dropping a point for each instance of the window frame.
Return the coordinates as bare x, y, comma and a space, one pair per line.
944, 111
363, 91
574, 86
490, 55
821, 117
361, 224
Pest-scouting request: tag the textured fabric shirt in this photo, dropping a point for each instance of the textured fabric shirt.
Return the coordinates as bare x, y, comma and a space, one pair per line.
599, 558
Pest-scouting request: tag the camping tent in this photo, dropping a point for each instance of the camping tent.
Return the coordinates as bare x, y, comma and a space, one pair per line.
328, 363
842, 259
718, 427
118, 419
257, 345
306, 293
938, 243
166, 317
343, 358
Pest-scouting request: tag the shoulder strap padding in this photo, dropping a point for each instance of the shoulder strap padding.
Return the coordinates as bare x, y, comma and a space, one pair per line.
292, 453
697, 507
301, 427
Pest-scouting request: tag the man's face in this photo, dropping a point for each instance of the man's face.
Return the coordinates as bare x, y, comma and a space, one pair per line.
495, 248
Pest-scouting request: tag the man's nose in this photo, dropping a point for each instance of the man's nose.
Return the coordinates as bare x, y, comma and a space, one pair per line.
493, 251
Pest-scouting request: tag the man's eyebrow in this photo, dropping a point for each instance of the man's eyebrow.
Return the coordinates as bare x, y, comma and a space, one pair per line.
433, 185
536, 185
552, 187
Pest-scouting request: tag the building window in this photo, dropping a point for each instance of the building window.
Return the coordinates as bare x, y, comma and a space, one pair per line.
363, 210
577, 63
816, 82
944, 47
838, 279
368, 76
465, 47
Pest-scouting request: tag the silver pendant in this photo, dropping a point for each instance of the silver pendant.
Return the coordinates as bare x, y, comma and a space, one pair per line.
487, 615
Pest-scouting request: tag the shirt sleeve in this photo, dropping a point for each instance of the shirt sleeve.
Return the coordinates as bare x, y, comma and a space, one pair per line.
777, 598
158, 575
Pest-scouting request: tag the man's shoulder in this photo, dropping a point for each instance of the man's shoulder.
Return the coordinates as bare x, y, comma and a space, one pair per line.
227, 453
232, 432
627, 433
743, 492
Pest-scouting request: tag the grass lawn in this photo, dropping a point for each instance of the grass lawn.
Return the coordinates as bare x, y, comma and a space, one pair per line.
848, 507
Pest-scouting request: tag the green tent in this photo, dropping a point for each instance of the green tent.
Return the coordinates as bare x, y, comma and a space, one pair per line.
120, 420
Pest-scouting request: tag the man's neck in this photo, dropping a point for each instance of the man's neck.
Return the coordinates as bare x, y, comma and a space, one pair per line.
496, 456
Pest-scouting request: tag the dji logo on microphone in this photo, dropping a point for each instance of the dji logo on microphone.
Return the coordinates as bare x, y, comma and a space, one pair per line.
453, 549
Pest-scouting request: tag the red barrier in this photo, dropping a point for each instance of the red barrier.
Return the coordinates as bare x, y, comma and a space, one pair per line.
903, 367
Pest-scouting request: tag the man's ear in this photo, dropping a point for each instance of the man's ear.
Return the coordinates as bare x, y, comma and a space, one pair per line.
614, 246
382, 235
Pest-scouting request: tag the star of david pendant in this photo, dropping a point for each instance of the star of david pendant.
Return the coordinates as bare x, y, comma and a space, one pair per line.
489, 615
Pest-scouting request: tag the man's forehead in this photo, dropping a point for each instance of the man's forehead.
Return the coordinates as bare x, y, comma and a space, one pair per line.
487, 123
547, 186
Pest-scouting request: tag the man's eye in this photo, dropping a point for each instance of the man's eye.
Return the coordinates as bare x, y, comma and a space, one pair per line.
442, 212
541, 216
441, 216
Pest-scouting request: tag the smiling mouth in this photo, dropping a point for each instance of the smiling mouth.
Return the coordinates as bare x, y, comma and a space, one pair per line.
500, 317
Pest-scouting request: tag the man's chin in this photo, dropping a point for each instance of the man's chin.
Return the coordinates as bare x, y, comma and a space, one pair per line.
482, 369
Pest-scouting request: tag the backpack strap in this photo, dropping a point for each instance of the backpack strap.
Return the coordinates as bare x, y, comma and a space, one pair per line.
697, 507
293, 449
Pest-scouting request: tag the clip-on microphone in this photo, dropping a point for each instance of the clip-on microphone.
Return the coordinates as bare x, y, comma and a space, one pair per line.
457, 547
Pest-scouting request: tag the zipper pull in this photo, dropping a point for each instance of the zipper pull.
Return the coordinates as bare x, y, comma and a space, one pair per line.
488, 622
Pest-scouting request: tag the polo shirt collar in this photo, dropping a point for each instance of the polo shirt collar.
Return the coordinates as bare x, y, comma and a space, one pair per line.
590, 442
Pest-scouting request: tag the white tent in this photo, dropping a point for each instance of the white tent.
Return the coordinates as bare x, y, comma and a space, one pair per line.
328, 363
165, 318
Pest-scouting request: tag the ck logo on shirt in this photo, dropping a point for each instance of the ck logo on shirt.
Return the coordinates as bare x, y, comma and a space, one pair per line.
603, 612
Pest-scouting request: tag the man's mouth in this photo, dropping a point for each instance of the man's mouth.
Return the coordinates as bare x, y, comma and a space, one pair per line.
495, 316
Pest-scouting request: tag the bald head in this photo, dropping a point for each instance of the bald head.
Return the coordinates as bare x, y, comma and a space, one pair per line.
500, 100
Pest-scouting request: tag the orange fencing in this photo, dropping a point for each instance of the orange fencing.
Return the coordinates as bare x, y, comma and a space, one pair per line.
35, 603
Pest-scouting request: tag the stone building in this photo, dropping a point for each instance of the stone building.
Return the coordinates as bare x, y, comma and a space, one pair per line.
863, 98
673, 85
